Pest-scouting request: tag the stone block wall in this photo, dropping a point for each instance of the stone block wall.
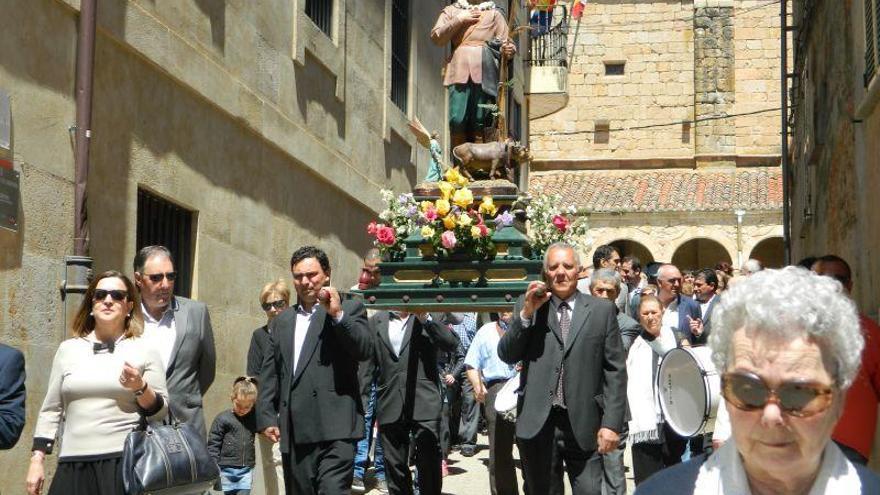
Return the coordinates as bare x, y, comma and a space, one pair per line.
714, 82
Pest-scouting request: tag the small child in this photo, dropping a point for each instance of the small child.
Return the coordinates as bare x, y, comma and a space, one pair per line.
231, 441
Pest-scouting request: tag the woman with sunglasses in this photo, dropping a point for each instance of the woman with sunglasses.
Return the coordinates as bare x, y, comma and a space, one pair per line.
274, 299
102, 381
787, 344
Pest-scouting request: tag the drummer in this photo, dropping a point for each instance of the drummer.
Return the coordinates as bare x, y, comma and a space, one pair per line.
487, 374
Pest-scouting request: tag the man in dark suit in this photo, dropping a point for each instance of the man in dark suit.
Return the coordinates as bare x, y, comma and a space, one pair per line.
679, 311
706, 293
310, 371
409, 403
12, 396
573, 378
180, 330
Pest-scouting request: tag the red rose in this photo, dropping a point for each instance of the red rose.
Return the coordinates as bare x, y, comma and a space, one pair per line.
371, 228
484, 231
385, 235
561, 223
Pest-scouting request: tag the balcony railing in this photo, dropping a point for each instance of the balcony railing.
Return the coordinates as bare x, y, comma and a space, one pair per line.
547, 63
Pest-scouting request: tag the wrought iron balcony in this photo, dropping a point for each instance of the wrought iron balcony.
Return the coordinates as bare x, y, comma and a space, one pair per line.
547, 64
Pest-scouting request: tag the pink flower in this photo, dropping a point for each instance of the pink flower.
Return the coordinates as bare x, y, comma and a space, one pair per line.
385, 235
484, 231
561, 223
371, 228
448, 239
431, 214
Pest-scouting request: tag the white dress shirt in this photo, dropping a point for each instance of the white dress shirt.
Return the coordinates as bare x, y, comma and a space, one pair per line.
301, 330
705, 306
160, 334
396, 331
527, 322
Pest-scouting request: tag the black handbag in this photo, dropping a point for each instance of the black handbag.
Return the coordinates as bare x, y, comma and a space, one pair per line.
167, 459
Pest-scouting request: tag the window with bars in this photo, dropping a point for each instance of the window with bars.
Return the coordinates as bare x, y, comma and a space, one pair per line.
161, 222
321, 13
872, 39
400, 18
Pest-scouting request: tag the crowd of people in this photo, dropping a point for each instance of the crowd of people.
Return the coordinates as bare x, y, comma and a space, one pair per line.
331, 388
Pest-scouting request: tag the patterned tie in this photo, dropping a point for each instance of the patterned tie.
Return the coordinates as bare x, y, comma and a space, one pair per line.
564, 327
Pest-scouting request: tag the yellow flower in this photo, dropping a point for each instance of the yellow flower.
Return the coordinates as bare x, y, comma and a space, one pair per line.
442, 207
487, 206
445, 189
475, 232
463, 197
449, 222
452, 175
464, 220
427, 232
425, 205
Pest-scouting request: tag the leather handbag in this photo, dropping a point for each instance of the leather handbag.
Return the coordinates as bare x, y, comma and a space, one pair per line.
167, 459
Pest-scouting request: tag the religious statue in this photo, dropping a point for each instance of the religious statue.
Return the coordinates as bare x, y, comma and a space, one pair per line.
479, 35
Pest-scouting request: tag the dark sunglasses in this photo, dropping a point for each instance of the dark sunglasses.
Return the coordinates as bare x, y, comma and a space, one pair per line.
749, 392
157, 277
116, 295
248, 379
279, 304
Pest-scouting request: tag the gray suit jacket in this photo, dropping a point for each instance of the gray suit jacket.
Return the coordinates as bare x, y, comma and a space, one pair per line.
192, 365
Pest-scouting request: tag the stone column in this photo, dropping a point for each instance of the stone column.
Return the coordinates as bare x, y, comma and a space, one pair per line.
714, 92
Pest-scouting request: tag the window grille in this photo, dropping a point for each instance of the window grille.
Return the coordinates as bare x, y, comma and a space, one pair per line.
870, 40
161, 222
400, 48
615, 68
321, 13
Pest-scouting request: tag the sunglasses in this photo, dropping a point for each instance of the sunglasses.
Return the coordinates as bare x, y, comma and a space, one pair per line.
157, 277
749, 392
248, 379
116, 295
279, 304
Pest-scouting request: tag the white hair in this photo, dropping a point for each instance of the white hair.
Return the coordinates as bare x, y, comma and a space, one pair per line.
786, 304
751, 266
605, 275
561, 245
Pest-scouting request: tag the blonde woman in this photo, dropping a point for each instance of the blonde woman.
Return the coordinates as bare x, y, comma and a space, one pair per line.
103, 380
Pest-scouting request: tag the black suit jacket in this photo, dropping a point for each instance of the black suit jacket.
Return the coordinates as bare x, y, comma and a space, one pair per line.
320, 400
595, 368
408, 386
12, 396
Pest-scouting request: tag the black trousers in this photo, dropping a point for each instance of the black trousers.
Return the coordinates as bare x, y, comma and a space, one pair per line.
648, 458
324, 468
553, 449
502, 472
426, 450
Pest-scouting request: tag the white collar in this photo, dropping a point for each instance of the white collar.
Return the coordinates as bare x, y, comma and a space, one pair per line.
464, 4
723, 473
148, 318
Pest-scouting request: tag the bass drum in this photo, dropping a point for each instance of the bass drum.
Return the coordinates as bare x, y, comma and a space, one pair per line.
689, 389
505, 401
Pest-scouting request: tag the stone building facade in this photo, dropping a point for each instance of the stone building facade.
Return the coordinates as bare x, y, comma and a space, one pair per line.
264, 129
676, 97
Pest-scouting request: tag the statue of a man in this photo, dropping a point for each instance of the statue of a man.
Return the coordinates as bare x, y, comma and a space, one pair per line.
471, 76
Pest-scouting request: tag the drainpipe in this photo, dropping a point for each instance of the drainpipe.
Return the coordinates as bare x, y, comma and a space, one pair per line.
85, 63
78, 268
786, 166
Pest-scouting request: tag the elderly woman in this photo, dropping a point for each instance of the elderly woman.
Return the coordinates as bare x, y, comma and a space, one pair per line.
787, 344
102, 381
274, 298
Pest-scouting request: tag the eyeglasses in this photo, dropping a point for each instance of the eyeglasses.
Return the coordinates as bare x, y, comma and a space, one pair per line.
671, 280
279, 304
157, 277
749, 392
116, 295
248, 379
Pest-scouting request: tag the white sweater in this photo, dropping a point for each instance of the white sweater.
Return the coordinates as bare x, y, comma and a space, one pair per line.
85, 397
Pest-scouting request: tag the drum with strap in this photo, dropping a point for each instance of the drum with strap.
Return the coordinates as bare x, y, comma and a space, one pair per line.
505, 401
690, 390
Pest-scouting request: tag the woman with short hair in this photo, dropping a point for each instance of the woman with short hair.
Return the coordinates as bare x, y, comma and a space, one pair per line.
788, 345
103, 380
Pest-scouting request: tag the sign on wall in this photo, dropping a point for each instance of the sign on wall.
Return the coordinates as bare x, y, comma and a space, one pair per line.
9, 193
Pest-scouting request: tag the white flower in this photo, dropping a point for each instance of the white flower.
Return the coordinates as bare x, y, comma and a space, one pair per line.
401, 230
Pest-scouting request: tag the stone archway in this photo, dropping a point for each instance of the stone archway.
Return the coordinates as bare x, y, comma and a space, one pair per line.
770, 252
699, 253
627, 247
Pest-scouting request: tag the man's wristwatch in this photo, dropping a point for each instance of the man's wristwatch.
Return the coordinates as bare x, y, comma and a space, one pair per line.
139, 392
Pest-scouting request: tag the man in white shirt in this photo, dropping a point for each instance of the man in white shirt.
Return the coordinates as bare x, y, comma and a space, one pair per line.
180, 330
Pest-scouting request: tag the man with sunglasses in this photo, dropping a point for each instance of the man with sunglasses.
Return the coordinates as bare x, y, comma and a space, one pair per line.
854, 433
180, 330
679, 311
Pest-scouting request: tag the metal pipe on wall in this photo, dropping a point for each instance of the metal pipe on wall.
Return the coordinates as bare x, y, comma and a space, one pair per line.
85, 63
786, 166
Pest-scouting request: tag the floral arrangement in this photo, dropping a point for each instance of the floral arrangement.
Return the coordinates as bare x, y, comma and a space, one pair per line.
550, 221
454, 223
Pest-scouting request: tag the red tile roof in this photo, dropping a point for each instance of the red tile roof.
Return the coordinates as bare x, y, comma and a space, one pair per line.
753, 188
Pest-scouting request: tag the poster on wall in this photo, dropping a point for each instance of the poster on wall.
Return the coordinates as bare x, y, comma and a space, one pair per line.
9, 194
